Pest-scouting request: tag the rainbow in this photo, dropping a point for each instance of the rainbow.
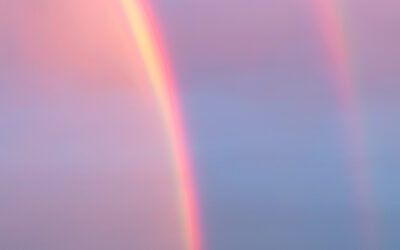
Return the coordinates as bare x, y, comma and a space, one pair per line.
329, 17
150, 46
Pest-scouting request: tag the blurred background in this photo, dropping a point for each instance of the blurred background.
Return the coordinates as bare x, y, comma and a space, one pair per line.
83, 159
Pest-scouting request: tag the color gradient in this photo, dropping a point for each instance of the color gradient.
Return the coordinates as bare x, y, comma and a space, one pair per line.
150, 46
330, 16
199, 125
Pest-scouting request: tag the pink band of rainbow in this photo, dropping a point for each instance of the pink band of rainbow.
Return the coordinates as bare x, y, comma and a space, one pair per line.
328, 16
150, 46
153, 55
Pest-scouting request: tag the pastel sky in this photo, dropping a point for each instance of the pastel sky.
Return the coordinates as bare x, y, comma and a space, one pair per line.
83, 159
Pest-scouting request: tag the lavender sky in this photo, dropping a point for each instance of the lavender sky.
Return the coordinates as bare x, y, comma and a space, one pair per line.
83, 159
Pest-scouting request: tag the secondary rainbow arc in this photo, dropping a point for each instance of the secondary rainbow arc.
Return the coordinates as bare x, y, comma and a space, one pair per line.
332, 29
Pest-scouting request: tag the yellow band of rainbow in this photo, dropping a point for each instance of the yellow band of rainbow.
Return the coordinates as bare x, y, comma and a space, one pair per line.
155, 61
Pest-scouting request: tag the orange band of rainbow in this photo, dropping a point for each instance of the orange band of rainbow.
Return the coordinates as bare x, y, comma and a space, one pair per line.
150, 46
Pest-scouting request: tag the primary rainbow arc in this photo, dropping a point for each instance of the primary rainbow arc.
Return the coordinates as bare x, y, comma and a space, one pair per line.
153, 55
150, 46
